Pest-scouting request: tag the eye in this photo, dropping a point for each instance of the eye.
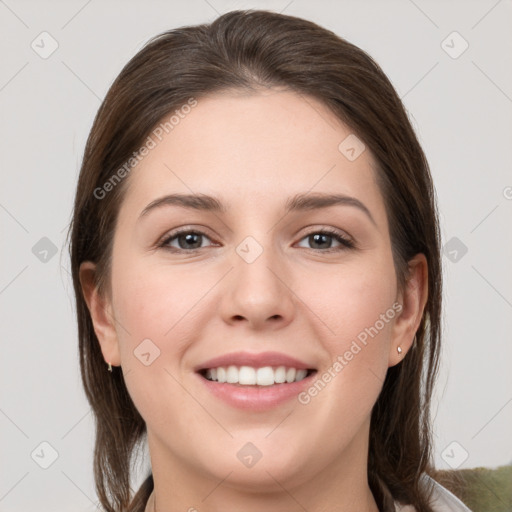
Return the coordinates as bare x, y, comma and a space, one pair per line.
186, 240
323, 241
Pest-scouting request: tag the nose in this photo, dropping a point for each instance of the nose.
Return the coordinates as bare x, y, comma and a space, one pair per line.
258, 293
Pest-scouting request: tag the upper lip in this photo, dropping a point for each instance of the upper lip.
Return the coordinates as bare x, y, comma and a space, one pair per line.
256, 360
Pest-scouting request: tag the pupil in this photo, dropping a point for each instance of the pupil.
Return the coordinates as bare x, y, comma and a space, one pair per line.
191, 241
320, 239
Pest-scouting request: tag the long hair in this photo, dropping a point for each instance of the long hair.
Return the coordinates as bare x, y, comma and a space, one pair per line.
248, 50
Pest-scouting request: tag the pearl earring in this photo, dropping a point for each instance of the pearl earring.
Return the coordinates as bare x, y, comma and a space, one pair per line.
399, 350
109, 367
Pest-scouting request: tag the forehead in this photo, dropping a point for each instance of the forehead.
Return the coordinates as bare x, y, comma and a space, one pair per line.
252, 148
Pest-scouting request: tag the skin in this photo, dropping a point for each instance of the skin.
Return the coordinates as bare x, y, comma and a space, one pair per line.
253, 152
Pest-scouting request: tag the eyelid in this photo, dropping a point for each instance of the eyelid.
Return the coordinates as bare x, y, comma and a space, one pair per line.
346, 241
180, 230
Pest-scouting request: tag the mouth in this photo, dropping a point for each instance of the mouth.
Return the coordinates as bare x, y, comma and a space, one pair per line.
255, 381
244, 376
255, 389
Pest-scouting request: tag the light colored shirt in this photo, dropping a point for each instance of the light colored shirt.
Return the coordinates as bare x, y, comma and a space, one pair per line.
442, 499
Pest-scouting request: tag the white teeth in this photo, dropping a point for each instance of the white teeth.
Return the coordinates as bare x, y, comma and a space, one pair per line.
280, 375
249, 376
246, 375
232, 375
290, 374
221, 374
265, 376
301, 374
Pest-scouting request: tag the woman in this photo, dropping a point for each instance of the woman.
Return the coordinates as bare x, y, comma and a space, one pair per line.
255, 256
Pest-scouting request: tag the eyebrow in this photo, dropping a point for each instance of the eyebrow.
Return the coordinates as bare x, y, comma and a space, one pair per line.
299, 202
313, 201
193, 201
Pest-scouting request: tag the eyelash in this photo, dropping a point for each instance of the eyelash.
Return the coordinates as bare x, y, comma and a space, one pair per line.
345, 242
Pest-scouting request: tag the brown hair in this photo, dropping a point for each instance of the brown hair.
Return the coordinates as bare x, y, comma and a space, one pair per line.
249, 50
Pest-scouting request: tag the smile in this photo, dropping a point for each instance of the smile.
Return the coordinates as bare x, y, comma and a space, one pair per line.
251, 376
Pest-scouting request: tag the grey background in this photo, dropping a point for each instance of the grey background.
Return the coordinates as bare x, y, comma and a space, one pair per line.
461, 108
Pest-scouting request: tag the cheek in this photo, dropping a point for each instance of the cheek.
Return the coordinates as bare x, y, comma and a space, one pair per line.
154, 302
354, 302
158, 309
358, 307
359, 310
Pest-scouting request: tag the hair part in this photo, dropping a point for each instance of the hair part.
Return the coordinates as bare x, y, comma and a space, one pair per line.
245, 51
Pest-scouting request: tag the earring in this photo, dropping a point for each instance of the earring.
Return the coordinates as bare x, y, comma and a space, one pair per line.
399, 350
109, 367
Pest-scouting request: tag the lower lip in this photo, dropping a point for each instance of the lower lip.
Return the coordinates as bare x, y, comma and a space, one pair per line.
256, 398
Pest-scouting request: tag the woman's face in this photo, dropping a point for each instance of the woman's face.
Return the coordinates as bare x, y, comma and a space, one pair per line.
258, 278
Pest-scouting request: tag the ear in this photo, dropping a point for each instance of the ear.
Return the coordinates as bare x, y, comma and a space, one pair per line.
102, 317
413, 300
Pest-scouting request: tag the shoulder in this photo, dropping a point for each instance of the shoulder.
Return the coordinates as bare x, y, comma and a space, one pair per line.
442, 500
